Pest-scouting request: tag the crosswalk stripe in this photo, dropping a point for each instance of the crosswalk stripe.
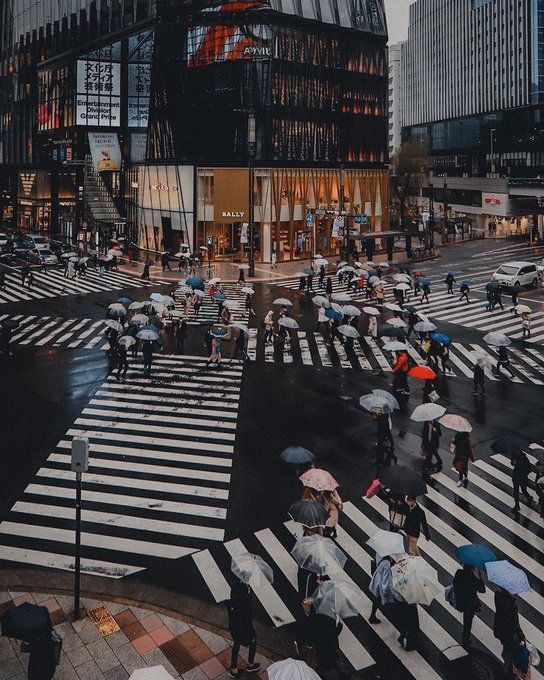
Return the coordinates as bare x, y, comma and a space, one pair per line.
304, 349
378, 354
212, 575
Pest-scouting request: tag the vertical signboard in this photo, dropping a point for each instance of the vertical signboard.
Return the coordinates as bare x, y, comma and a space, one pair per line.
98, 97
105, 151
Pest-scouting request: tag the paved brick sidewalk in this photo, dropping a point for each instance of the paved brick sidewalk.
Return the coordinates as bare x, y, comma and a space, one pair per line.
120, 640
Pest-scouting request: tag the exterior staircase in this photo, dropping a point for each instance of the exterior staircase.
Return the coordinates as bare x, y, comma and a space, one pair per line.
98, 197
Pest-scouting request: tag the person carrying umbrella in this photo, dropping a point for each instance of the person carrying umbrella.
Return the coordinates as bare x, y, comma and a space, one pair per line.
122, 361
413, 318
401, 369
430, 443
328, 287
321, 275
463, 452
147, 351
268, 324
497, 298
381, 586
520, 479
503, 361
506, 627
249, 305
467, 583
425, 292
449, 281
464, 290
145, 273
240, 616
180, 332
414, 524
215, 356
385, 444
526, 325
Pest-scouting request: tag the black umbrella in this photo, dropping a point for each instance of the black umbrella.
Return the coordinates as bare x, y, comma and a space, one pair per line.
26, 622
309, 513
491, 286
10, 323
392, 332
402, 480
509, 445
297, 455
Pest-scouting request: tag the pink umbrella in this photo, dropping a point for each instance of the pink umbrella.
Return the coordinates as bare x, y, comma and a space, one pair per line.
318, 479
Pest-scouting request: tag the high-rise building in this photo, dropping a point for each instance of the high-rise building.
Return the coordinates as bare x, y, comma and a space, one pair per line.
473, 91
171, 122
395, 97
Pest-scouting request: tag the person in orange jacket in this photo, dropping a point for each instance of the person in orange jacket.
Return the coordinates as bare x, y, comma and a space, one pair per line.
400, 369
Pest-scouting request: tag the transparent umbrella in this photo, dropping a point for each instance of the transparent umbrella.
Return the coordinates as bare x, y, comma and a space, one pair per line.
139, 320
114, 325
373, 403
335, 600
386, 543
282, 302
251, 569
350, 310
349, 331
291, 669
424, 327
389, 398
127, 341
496, 339
396, 322
455, 422
117, 310
427, 412
415, 580
341, 297
288, 322
318, 554
320, 300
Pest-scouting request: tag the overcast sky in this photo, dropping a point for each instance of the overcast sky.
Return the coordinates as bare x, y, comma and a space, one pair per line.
397, 19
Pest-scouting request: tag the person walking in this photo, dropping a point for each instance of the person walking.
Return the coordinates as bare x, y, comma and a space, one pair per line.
333, 505
322, 318
444, 358
381, 586
526, 325
249, 305
449, 281
71, 270
122, 362
503, 361
145, 273
43, 656
302, 284
325, 633
413, 318
273, 260
425, 292
240, 617
241, 276
180, 333
478, 377
328, 287
414, 524
430, 444
400, 370
467, 583
506, 627
165, 261
25, 271
464, 290
268, 324
30, 279
385, 444
373, 327
321, 275
520, 479
147, 351
463, 453
215, 356
515, 299
240, 346
310, 281
497, 299
196, 304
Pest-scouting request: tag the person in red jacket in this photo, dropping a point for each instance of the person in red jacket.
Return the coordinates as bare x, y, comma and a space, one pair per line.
400, 369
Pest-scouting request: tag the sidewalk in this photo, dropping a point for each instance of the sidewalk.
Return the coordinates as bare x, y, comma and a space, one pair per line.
114, 639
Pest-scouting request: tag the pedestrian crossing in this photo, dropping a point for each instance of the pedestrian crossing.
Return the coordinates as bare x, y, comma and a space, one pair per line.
456, 516
209, 311
308, 348
161, 454
54, 284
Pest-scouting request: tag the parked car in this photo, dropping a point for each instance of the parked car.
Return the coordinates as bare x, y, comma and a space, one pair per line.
20, 246
36, 241
42, 256
517, 274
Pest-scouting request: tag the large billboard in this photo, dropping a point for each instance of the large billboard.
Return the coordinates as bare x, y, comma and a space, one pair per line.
98, 97
105, 151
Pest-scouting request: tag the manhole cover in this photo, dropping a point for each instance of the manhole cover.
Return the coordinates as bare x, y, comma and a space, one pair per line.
103, 620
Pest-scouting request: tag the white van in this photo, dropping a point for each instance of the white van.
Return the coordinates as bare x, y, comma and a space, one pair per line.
517, 274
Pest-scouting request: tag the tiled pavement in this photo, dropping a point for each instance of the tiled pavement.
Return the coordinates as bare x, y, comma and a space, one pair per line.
141, 638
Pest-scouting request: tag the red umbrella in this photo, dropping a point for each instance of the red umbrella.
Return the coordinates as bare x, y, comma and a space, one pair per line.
422, 372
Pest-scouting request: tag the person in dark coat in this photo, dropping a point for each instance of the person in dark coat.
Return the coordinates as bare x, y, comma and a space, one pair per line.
208, 339
321, 275
41, 664
506, 627
328, 286
325, 632
478, 380
5, 339
181, 335
414, 524
302, 284
165, 261
463, 453
449, 281
122, 362
307, 582
147, 351
241, 628
520, 478
385, 444
464, 290
145, 273
503, 361
467, 583
430, 444
241, 276
406, 619
311, 282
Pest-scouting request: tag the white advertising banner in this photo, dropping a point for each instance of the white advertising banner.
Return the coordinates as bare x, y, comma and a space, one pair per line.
495, 204
105, 151
338, 227
98, 93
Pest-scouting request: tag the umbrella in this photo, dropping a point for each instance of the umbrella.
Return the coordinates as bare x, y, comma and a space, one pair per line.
386, 543
335, 600
409, 308
393, 307
203, 248
139, 319
424, 327
373, 280
242, 327
309, 513
150, 327
215, 280
10, 323
243, 266
297, 455
346, 268
195, 282
507, 576
127, 341
395, 346
441, 338
232, 304
310, 272
248, 291
219, 332
474, 554
341, 297
69, 255
425, 282
320, 300
422, 372
124, 301
467, 282
427, 412
374, 403
523, 309
402, 480
383, 265
402, 286
318, 479
25, 622
509, 445
219, 297
392, 332
491, 285
74, 259
349, 331
156, 297
496, 339
282, 302
114, 325
116, 309
456, 423
148, 335
321, 262
167, 301
396, 322
151, 673
415, 580
402, 278
318, 554
331, 314
200, 293
135, 305
453, 273
371, 311
288, 322
251, 569
291, 669
351, 310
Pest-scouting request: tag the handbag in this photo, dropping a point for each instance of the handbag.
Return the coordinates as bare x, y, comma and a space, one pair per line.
434, 396
534, 654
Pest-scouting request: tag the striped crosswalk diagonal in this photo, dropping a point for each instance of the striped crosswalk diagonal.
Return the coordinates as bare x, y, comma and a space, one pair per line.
209, 309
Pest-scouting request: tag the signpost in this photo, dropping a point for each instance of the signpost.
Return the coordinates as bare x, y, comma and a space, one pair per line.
79, 465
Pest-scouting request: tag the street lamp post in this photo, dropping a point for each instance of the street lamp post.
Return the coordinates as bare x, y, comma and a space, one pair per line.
431, 216
251, 142
341, 205
492, 163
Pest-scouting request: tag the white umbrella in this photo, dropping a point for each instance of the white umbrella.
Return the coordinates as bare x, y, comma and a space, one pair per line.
375, 403
396, 322
402, 286
336, 307
288, 322
320, 300
318, 554
341, 264
156, 297
127, 341
415, 580
496, 339
135, 305
69, 255
402, 278
349, 331
291, 669
251, 569
139, 319
243, 266
321, 262
386, 543
248, 291
393, 307
396, 346
389, 398
215, 280
374, 280
371, 311
282, 302
455, 422
241, 326
114, 325
427, 412
151, 673
148, 335
523, 309
350, 310
346, 269
342, 297
383, 265
117, 309
424, 327
232, 304
199, 293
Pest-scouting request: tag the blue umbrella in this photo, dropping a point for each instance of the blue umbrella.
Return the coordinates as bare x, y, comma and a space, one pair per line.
156, 297
310, 272
331, 314
195, 282
124, 301
150, 327
297, 455
441, 338
219, 331
450, 271
425, 282
373, 273
476, 555
507, 576
219, 297
467, 282
491, 286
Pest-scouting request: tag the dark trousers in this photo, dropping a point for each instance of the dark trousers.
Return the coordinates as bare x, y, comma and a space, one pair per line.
147, 364
468, 617
520, 483
181, 345
464, 296
252, 650
432, 453
122, 368
479, 383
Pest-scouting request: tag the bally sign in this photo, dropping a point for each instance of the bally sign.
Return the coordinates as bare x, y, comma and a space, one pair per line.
231, 195
233, 215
